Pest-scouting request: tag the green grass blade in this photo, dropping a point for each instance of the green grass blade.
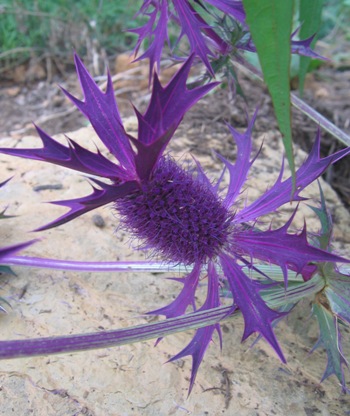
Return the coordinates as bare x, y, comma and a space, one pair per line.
338, 295
270, 24
310, 15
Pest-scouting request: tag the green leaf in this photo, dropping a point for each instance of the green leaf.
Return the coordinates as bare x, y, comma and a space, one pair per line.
270, 24
325, 237
310, 16
6, 270
338, 294
330, 339
278, 296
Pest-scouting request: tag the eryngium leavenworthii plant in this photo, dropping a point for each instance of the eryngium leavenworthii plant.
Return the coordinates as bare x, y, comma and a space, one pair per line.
181, 216
213, 28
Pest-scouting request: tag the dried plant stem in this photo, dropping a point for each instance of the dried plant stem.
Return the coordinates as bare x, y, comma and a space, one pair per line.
298, 103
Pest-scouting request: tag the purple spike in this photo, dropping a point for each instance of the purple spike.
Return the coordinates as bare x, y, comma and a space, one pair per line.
144, 31
10, 250
102, 111
192, 26
299, 47
185, 298
281, 192
200, 342
239, 171
221, 47
99, 197
203, 178
257, 315
200, 34
303, 47
279, 247
148, 155
169, 104
72, 157
233, 8
166, 110
159, 34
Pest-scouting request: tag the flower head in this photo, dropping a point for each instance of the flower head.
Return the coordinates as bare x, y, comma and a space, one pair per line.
179, 214
174, 203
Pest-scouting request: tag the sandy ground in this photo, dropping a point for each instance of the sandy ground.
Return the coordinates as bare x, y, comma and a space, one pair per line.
134, 380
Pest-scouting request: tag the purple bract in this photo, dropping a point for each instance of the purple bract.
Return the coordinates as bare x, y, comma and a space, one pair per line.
206, 41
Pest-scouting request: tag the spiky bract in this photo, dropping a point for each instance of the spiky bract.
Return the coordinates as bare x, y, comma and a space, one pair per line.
206, 40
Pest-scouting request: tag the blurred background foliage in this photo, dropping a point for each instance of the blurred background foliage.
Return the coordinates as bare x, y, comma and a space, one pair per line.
53, 28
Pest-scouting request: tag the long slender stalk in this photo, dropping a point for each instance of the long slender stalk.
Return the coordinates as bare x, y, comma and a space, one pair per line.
107, 339
275, 296
274, 272
120, 266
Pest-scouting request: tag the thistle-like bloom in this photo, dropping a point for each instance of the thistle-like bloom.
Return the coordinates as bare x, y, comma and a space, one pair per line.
181, 216
206, 41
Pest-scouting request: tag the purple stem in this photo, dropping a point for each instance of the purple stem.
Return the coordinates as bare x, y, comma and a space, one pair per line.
86, 266
107, 339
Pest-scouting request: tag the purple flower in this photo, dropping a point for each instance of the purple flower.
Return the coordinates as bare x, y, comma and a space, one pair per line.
180, 215
203, 39
206, 41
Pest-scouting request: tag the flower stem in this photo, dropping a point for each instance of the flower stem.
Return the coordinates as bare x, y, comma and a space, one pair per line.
141, 266
107, 339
